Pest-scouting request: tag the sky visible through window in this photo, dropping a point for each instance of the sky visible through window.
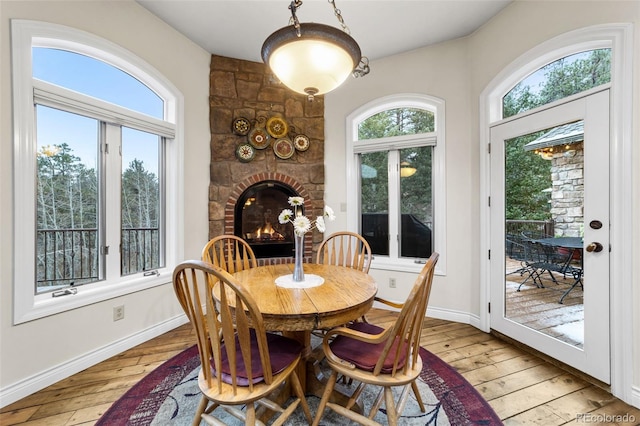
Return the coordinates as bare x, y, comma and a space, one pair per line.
537, 79
100, 80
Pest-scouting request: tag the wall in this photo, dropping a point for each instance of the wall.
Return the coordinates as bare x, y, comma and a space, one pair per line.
458, 71
439, 71
38, 353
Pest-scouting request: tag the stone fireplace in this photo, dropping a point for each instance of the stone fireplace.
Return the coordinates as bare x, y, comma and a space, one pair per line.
244, 196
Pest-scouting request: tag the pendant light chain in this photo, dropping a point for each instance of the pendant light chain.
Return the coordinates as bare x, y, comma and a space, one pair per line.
295, 4
363, 67
338, 14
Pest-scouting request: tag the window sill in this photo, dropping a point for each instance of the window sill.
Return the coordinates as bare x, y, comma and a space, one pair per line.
399, 265
46, 305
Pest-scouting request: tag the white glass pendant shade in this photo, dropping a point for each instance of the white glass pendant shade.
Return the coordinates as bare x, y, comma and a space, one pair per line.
316, 62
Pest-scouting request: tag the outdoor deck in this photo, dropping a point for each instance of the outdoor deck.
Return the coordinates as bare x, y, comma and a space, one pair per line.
538, 308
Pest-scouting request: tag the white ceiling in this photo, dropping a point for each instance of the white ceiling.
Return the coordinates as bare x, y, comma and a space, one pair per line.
237, 28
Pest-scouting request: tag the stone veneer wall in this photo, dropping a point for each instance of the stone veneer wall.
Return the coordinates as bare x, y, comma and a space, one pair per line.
567, 195
248, 89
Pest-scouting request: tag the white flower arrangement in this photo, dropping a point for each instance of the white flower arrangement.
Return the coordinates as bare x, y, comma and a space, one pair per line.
301, 223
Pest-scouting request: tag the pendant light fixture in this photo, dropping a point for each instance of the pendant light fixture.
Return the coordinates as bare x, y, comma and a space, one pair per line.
406, 169
313, 59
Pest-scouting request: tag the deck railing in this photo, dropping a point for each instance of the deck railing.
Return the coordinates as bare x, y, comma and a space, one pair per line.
71, 256
516, 227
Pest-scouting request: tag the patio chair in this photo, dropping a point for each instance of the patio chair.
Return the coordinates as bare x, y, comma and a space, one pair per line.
515, 250
231, 253
242, 364
371, 355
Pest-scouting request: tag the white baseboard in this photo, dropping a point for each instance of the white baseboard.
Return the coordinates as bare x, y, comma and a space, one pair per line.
445, 314
635, 398
455, 316
47, 377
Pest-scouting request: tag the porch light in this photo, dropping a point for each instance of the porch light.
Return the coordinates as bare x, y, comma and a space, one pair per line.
406, 170
313, 59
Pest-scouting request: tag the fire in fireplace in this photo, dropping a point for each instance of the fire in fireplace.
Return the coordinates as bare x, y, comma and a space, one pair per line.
256, 219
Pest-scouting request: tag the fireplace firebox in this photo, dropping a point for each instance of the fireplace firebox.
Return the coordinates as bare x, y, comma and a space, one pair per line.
256, 219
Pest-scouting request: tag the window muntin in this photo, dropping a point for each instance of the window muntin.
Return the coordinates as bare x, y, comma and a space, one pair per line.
97, 79
562, 78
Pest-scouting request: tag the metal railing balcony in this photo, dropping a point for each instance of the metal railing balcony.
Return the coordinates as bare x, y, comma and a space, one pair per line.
72, 256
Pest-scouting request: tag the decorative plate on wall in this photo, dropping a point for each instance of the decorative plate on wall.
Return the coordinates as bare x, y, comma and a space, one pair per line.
241, 126
283, 148
301, 142
277, 127
245, 152
259, 138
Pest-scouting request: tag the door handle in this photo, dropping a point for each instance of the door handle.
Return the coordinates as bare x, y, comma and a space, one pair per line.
595, 246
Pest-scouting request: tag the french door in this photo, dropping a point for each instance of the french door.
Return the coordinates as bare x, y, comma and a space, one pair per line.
570, 144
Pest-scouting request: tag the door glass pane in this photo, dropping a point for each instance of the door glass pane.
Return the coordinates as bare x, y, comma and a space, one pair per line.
141, 212
374, 201
544, 193
416, 207
67, 199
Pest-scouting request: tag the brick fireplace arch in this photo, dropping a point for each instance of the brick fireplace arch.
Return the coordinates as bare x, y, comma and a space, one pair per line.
240, 188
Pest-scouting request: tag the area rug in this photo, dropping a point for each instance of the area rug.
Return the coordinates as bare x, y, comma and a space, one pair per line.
169, 395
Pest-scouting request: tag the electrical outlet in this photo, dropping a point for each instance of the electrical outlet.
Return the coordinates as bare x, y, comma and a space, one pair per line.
118, 313
392, 282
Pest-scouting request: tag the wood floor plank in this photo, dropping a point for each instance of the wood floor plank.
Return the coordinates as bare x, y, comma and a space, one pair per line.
533, 396
501, 369
522, 379
522, 388
539, 416
585, 400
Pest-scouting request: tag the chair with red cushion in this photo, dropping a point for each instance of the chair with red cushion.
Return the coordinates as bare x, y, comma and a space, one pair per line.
242, 364
371, 355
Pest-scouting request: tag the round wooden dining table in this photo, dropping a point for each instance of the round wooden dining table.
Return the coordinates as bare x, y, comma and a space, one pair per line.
345, 295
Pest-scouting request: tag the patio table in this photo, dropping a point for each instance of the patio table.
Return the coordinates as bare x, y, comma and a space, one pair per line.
574, 245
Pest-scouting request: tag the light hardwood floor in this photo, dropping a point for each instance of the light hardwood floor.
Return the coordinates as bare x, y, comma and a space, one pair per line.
522, 388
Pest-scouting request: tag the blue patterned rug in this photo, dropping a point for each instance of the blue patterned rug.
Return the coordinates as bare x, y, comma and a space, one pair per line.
169, 395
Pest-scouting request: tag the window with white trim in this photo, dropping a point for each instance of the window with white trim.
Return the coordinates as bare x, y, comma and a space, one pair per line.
97, 164
395, 153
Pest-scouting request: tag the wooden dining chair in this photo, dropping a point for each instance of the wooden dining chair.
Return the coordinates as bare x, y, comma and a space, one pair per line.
231, 253
242, 364
345, 248
387, 358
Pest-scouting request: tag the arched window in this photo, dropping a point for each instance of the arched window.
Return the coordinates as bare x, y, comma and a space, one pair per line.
396, 161
563, 77
96, 170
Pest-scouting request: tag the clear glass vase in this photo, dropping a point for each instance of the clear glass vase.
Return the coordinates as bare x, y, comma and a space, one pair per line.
298, 271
